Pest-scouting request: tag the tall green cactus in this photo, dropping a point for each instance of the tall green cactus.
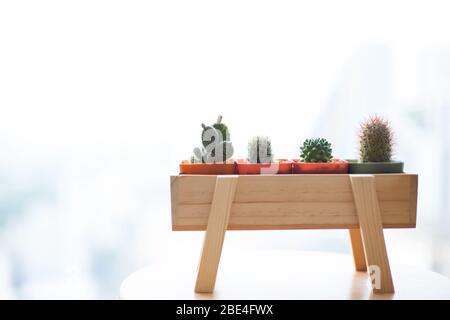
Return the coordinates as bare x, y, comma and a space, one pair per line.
216, 144
260, 150
223, 129
375, 140
316, 150
218, 131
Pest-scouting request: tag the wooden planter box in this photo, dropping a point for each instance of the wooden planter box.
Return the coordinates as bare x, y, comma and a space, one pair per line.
364, 204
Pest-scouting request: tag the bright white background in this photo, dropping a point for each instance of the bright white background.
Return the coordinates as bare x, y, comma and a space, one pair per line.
100, 100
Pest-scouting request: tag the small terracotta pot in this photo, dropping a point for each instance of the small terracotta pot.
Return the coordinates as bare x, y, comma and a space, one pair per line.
334, 167
186, 167
280, 166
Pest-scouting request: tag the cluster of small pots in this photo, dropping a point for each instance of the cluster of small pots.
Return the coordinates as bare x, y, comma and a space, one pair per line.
375, 150
284, 166
280, 166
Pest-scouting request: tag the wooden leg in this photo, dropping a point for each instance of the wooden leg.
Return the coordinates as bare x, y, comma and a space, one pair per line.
368, 211
215, 233
359, 255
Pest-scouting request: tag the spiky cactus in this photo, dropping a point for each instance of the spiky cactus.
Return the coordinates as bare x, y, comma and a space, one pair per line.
210, 135
260, 150
316, 150
216, 144
375, 140
222, 128
217, 132
200, 156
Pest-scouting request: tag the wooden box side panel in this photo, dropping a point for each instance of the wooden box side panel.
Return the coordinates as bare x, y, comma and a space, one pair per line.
413, 199
292, 202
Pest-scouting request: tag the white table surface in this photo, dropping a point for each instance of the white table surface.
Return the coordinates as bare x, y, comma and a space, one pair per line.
279, 275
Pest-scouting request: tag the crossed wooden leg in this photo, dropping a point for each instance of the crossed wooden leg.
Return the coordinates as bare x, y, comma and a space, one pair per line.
215, 233
358, 250
368, 245
369, 241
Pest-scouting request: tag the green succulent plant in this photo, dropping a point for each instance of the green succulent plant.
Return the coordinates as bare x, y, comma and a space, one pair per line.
215, 139
209, 135
200, 156
218, 131
223, 129
375, 140
260, 150
316, 150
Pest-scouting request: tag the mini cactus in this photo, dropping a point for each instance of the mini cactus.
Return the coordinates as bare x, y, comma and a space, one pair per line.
215, 140
217, 132
223, 129
199, 155
260, 150
210, 135
316, 150
375, 140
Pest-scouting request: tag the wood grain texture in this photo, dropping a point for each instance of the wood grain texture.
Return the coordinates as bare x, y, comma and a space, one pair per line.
359, 255
271, 202
369, 215
225, 188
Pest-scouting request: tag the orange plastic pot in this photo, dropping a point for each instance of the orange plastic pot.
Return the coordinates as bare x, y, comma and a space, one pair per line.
186, 167
278, 167
334, 167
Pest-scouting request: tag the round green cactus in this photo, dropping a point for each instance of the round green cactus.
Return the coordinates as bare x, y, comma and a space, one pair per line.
316, 150
375, 140
260, 150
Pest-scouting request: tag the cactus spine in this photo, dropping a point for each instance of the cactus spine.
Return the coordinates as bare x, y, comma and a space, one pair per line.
375, 140
316, 150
